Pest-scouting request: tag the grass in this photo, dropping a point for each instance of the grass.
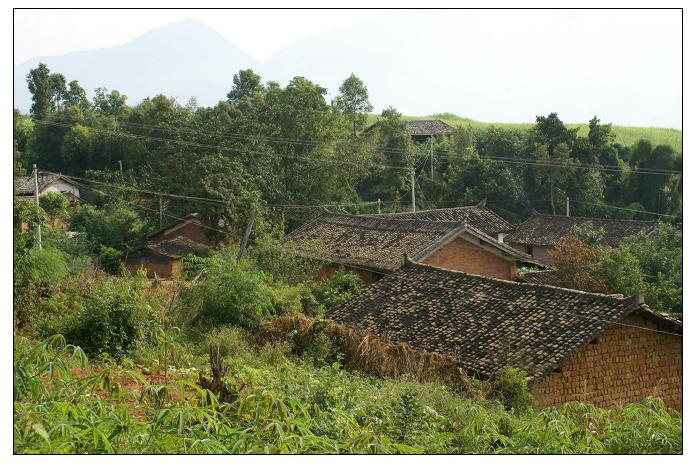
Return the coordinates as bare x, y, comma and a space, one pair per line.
624, 135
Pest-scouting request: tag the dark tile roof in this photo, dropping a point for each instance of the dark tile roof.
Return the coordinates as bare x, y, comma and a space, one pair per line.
25, 184
429, 127
478, 216
369, 242
550, 230
178, 247
486, 323
188, 218
542, 277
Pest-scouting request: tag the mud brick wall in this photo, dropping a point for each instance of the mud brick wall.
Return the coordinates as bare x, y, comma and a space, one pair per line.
622, 366
466, 257
155, 266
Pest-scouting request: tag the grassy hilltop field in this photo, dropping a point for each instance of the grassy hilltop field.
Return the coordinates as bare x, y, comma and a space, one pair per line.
625, 135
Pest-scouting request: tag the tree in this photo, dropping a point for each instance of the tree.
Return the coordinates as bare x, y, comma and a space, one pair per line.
55, 205
353, 102
76, 95
108, 104
577, 265
244, 84
41, 88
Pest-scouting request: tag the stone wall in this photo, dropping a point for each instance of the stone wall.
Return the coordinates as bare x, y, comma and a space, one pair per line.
622, 366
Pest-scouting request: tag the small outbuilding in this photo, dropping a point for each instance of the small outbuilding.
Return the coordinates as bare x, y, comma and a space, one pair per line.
164, 258
602, 349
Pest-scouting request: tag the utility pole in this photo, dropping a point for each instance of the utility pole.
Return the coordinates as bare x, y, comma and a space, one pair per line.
161, 212
36, 202
379, 206
567, 206
120, 166
247, 232
413, 189
432, 171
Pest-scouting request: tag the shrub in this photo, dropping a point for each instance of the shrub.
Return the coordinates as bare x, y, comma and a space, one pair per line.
511, 389
228, 294
115, 315
55, 205
110, 260
335, 290
194, 265
281, 260
36, 274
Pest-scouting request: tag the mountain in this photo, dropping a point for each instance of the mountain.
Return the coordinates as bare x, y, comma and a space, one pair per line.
183, 59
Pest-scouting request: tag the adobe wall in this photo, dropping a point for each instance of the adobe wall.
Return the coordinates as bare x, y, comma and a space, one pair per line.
464, 256
162, 268
540, 253
625, 365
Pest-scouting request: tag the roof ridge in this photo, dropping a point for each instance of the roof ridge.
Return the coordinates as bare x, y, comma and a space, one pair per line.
388, 220
538, 214
478, 205
517, 283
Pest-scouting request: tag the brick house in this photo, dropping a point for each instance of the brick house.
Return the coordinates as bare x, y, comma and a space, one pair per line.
375, 246
189, 227
164, 258
601, 349
478, 216
540, 233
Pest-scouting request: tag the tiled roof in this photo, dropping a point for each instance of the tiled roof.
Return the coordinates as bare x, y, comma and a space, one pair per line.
429, 127
179, 247
486, 323
370, 242
25, 184
478, 216
188, 218
550, 230
542, 277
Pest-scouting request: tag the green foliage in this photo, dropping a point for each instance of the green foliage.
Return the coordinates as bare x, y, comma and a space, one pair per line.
194, 265
111, 317
281, 260
335, 290
588, 234
27, 212
621, 270
110, 260
511, 389
353, 102
55, 205
226, 293
117, 226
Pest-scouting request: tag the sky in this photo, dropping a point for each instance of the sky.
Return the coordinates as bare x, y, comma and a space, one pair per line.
624, 65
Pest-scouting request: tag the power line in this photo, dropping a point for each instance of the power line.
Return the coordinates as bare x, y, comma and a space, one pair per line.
542, 163
625, 209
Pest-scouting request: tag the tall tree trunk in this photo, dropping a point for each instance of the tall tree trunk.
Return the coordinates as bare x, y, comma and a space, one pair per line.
553, 206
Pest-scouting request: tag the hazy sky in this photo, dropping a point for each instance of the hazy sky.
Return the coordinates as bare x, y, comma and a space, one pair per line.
564, 60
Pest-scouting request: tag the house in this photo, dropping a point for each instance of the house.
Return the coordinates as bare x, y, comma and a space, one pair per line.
164, 258
478, 216
189, 227
540, 233
47, 183
375, 246
422, 131
573, 345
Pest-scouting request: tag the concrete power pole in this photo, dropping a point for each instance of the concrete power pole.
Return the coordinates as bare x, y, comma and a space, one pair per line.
432, 171
245, 239
413, 189
567, 206
120, 166
379, 206
161, 212
36, 202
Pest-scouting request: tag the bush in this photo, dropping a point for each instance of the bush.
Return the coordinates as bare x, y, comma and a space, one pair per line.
110, 260
333, 291
511, 389
114, 316
228, 294
281, 260
36, 274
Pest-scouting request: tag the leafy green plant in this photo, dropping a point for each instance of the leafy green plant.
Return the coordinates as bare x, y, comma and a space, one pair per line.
511, 389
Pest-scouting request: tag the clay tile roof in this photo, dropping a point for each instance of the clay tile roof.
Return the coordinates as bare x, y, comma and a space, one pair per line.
542, 277
550, 230
188, 218
25, 184
179, 247
486, 323
370, 242
429, 127
478, 216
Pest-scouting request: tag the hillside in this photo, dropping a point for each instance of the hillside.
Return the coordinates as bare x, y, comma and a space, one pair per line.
625, 135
